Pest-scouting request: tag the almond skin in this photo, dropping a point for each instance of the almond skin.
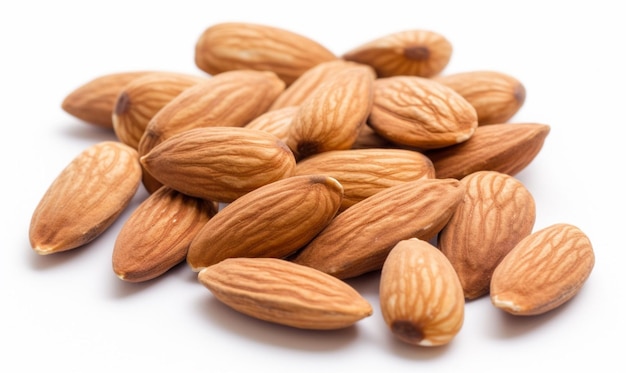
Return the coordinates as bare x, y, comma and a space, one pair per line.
219, 163
421, 53
358, 240
421, 298
94, 101
157, 235
272, 221
285, 293
275, 121
421, 113
236, 45
505, 147
495, 96
496, 213
365, 172
543, 271
85, 198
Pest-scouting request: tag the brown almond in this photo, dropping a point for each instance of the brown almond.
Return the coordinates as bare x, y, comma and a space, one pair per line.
543, 271
85, 198
285, 293
275, 121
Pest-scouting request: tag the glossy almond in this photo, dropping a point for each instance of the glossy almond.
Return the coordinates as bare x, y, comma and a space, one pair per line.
276, 121
157, 234
495, 96
421, 113
85, 198
94, 101
506, 148
543, 271
365, 172
421, 299
422, 53
219, 163
358, 240
238, 45
496, 213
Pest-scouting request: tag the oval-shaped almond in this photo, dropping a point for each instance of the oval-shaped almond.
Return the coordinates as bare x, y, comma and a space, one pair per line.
85, 198
496, 213
543, 271
365, 172
219, 163
358, 240
420, 112
272, 221
285, 293
275, 121
421, 298
157, 234
237, 45
422, 53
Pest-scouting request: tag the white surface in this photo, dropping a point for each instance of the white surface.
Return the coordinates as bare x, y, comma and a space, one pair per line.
69, 313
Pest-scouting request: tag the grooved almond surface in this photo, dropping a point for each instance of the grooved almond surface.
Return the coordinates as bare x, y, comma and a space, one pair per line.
285, 293
275, 121
543, 271
421, 298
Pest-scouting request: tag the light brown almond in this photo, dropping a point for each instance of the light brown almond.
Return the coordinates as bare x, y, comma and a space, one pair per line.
496, 213
156, 236
237, 45
219, 163
420, 112
358, 240
543, 271
272, 221
365, 172
421, 298
505, 147
275, 121
85, 198
285, 293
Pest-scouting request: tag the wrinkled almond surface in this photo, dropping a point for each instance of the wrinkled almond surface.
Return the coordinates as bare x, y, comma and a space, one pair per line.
275, 121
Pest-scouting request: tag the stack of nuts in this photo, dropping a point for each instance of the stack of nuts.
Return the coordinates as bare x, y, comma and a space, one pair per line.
284, 170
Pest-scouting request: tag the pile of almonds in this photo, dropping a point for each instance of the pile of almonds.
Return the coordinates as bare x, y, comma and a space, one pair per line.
284, 170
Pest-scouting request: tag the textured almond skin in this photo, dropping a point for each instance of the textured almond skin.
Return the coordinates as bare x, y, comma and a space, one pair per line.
230, 99
85, 198
412, 52
142, 98
365, 172
272, 221
505, 147
496, 213
310, 80
330, 119
285, 293
543, 271
421, 298
368, 138
421, 113
235, 45
219, 163
157, 235
94, 101
276, 121
495, 96
358, 240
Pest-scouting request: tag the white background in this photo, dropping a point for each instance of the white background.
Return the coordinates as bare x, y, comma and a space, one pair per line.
69, 313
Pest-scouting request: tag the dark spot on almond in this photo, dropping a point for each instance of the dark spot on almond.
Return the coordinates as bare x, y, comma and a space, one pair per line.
407, 331
122, 104
519, 93
417, 53
307, 148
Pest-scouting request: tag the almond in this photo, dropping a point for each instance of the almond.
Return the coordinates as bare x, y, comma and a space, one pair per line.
365, 172
421, 298
275, 121
543, 271
422, 53
420, 112
505, 147
496, 213
495, 96
85, 198
285, 293
219, 163
358, 240
368, 139
236, 45
157, 234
